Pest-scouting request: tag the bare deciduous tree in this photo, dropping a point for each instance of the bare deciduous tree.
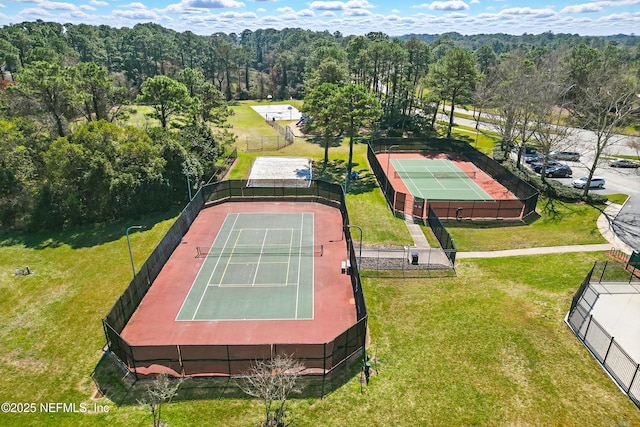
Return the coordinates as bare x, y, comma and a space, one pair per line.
159, 392
603, 106
273, 381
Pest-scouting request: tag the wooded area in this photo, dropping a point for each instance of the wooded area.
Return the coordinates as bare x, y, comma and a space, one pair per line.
68, 155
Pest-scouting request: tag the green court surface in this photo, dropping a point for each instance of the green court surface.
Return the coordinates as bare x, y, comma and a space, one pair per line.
260, 267
438, 179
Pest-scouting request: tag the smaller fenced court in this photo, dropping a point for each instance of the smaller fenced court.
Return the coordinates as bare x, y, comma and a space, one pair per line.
260, 266
453, 179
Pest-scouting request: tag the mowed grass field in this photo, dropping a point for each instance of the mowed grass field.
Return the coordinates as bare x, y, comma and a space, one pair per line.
487, 348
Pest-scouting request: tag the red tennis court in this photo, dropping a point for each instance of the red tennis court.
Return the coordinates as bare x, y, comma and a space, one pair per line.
154, 322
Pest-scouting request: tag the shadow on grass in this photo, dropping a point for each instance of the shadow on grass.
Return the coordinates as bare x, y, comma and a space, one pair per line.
336, 170
483, 223
335, 142
116, 383
84, 236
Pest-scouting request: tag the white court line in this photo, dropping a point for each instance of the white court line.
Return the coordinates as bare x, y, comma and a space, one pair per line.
299, 263
417, 189
215, 267
236, 246
198, 275
475, 187
255, 273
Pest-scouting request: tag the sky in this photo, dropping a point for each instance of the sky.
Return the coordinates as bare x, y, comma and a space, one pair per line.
353, 17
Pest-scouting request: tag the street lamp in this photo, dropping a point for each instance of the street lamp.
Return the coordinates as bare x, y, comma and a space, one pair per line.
386, 185
186, 167
133, 269
360, 254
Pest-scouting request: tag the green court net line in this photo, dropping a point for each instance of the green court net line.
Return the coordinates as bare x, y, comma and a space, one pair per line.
208, 251
437, 175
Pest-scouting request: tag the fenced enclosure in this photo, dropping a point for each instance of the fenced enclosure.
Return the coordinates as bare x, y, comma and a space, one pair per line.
610, 278
328, 361
405, 204
410, 261
265, 142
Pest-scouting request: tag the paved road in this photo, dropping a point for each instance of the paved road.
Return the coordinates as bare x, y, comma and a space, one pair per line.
619, 181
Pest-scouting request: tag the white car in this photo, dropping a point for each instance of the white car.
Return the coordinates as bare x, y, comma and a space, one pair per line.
596, 182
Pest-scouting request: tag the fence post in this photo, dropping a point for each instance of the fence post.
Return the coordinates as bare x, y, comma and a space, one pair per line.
635, 374
603, 270
586, 331
604, 360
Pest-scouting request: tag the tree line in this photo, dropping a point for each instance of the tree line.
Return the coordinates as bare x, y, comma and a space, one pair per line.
66, 88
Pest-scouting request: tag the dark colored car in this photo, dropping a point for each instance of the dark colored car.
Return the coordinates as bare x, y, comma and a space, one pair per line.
623, 163
537, 167
561, 171
530, 158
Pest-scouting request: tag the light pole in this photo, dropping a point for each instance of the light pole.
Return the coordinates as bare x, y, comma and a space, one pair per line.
386, 185
186, 172
133, 268
360, 254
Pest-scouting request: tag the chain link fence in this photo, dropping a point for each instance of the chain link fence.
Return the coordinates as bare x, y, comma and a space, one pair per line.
328, 361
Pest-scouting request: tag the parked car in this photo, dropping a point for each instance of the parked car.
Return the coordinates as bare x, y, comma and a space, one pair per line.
596, 182
573, 156
530, 158
623, 163
537, 167
560, 171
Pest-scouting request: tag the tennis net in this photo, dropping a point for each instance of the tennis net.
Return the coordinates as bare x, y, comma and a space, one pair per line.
309, 250
436, 175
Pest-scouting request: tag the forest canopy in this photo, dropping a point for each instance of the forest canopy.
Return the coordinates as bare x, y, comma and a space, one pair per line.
66, 91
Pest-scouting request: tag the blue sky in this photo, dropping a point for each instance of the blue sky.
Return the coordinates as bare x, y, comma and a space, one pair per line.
349, 17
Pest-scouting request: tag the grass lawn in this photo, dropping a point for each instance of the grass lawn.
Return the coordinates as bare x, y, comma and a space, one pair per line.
477, 349
559, 224
487, 347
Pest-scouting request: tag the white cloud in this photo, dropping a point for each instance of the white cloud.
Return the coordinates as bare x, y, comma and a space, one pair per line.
582, 8
238, 15
449, 5
135, 14
81, 15
261, 10
339, 5
211, 4
527, 11
357, 12
99, 3
33, 13
53, 5
137, 6
199, 6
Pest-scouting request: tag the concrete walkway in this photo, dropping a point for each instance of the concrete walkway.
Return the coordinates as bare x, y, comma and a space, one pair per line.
604, 226
419, 240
